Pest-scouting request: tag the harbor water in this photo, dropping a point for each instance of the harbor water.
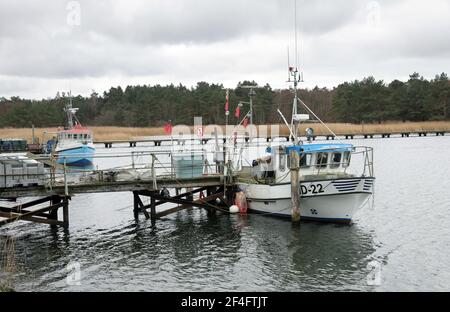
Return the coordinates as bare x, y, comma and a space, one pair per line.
398, 242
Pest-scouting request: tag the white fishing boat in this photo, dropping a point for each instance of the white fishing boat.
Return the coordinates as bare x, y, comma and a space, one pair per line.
331, 189
74, 145
328, 190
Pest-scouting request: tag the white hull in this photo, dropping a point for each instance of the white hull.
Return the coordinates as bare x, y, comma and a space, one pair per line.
66, 145
327, 200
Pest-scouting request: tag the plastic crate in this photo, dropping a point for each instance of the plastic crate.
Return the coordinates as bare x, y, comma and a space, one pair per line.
188, 166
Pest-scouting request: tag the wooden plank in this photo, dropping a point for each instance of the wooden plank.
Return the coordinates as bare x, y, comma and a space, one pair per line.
18, 216
142, 208
139, 206
47, 162
10, 210
200, 202
179, 196
20, 208
32, 219
33, 203
108, 187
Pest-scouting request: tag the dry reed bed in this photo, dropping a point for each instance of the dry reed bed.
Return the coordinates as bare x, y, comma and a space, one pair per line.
122, 133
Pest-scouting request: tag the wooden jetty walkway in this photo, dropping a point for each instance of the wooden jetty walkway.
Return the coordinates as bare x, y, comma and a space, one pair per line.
157, 141
59, 195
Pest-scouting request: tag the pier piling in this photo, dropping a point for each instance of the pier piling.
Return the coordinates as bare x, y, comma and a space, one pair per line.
295, 188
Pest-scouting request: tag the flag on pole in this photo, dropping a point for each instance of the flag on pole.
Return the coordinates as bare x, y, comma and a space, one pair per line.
200, 132
168, 128
238, 112
245, 123
227, 104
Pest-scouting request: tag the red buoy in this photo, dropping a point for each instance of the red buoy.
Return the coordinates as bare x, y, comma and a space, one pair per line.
241, 202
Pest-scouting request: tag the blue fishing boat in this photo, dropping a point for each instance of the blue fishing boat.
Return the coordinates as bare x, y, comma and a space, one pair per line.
74, 145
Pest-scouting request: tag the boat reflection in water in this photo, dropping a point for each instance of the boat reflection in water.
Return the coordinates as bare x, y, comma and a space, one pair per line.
314, 256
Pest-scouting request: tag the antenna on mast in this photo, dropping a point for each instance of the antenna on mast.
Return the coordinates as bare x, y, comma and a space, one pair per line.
296, 78
289, 65
296, 37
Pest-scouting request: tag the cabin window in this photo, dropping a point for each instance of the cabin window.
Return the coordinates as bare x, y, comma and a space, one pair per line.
322, 160
70, 136
305, 161
85, 136
336, 160
75, 136
346, 161
282, 164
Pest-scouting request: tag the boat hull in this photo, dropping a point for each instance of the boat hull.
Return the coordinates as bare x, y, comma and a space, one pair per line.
78, 156
334, 201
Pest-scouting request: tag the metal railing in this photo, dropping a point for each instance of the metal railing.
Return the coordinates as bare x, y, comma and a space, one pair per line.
365, 152
142, 166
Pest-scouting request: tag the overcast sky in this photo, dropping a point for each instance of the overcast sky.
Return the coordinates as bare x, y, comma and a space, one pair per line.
54, 45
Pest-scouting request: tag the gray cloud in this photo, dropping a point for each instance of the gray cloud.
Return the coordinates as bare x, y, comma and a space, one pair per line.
189, 40
126, 36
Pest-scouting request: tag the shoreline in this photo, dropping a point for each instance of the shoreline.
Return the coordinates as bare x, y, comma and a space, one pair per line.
102, 133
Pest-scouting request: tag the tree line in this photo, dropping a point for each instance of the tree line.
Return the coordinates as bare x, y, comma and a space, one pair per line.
368, 100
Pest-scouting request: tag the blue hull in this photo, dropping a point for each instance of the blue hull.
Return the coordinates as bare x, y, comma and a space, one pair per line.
78, 157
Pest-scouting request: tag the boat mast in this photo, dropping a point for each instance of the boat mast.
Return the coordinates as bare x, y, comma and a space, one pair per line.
70, 111
296, 78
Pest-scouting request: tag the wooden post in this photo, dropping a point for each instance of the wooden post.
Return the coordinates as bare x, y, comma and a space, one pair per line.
189, 195
66, 212
53, 214
33, 139
155, 186
209, 192
153, 209
136, 205
294, 165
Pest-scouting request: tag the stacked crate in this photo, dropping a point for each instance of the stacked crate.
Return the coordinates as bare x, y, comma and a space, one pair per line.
188, 166
19, 171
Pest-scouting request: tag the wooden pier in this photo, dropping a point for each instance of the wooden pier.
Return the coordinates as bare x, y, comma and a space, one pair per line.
157, 141
152, 178
59, 195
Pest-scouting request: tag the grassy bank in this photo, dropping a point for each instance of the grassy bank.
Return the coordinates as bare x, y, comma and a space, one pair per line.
119, 133
5, 288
